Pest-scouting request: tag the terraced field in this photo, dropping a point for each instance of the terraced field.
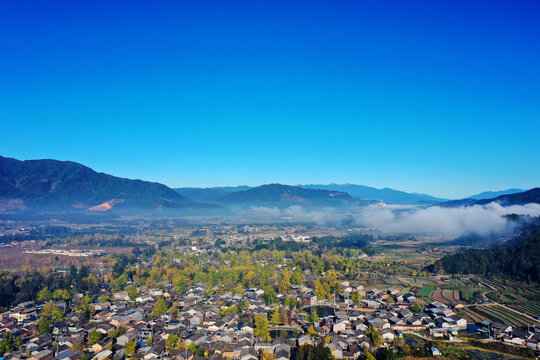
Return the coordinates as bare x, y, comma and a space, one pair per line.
529, 309
437, 296
475, 316
515, 318
451, 295
492, 316
498, 314
426, 293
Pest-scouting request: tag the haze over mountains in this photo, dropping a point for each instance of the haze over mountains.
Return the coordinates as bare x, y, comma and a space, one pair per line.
363, 192
65, 186
276, 195
386, 195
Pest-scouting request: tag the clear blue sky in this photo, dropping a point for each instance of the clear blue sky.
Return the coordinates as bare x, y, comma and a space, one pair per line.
441, 97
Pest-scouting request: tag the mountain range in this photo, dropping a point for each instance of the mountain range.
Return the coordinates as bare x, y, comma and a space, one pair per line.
494, 194
52, 185
275, 195
386, 195
520, 198
65, 186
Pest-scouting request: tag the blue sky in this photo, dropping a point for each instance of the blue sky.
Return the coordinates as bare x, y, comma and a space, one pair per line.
426, 96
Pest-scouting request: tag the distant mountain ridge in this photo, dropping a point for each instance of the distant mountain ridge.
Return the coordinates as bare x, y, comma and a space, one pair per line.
494, 194
66, 186
276, 195
520, 198
386, 195
286, 195
525, 197
52, 185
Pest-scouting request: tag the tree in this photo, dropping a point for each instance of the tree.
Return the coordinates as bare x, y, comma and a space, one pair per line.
261, 327
224, 311
284, 282
9, 343
239, 289
131, 347
311, 331
61, 294
416, 308
313, 317
320, 291
291, 302
44, 325
181, 286
319, 352
172, 341
385, 353
44, 294
368, 356
85, 310
274, 317
269, 296
132, 292
322, 352
114, 333
267, 355
161, 306
93, 337
356, 297
52, 312
374, 335
297, 277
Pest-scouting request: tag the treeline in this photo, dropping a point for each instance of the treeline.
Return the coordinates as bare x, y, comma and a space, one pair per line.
324, 243
17, 287
62, 234
518, 259
20, 287
352, 241
277, 244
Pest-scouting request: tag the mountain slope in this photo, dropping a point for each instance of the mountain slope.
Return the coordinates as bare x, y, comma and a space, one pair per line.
518, 259
386, 195
494, 194
525, 197
285, 195
65, 185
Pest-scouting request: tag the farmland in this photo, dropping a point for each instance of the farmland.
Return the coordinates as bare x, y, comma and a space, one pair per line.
497, 313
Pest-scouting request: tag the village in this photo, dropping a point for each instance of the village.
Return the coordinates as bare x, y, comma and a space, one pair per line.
241, 325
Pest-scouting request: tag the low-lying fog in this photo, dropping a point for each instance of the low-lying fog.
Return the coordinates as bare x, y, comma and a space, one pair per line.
481, 220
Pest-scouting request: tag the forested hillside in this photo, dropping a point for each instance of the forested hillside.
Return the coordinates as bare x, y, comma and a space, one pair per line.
517, 259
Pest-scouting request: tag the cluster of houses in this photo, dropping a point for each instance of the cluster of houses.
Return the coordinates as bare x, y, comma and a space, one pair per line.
205, 330
529, 338
198, 322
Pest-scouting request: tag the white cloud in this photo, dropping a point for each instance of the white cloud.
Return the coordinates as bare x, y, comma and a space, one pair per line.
447, 222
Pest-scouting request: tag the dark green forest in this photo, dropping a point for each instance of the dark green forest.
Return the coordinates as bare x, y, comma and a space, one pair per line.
517, 259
